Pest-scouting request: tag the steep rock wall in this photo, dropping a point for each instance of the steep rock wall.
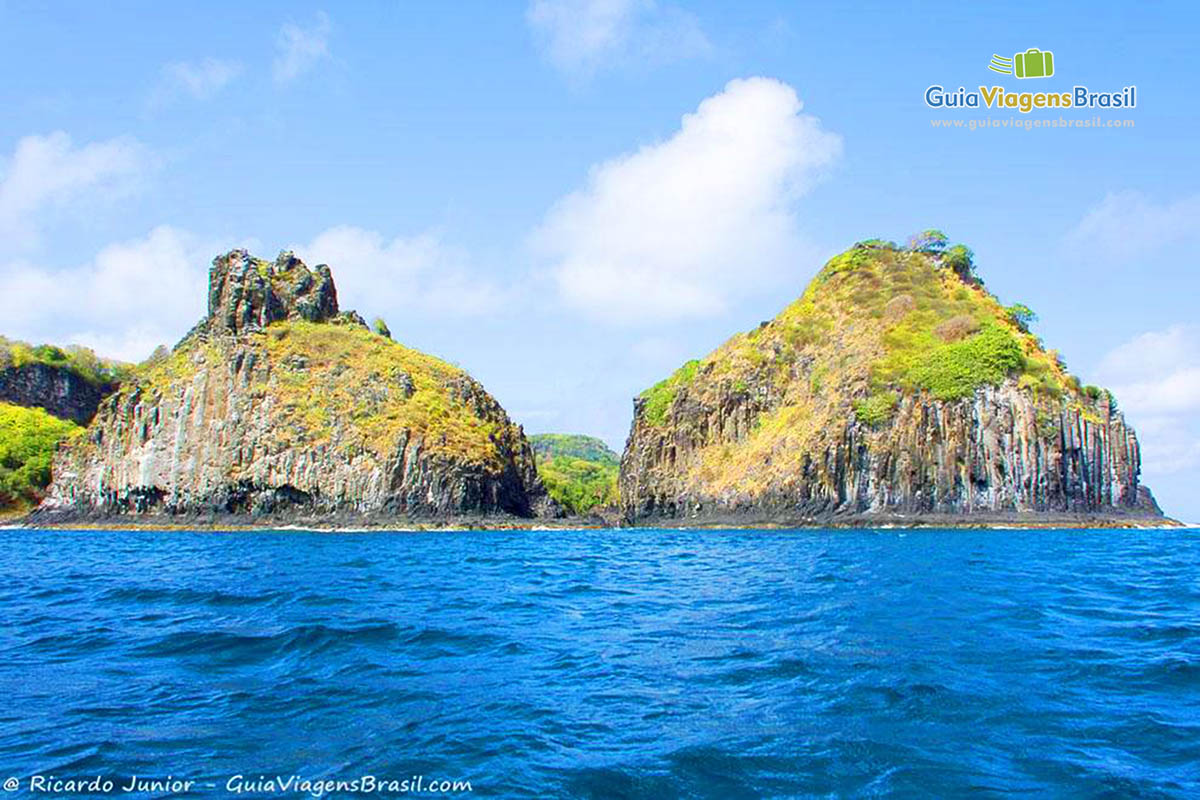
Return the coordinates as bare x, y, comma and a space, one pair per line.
1001, 451
208, 444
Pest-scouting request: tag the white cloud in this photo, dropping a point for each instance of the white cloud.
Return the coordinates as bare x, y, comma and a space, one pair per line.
297, 49
1156, 378
131, 297
1175, 391
583, 36
135, 295
200, 80
1159, 371
1170, 444
50, 173
1127, 226
400, 277
680, 228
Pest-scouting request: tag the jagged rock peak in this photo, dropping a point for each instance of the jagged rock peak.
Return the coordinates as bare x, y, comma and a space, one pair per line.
247, 293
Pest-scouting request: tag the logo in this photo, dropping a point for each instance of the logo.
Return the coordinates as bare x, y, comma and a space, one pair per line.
1033, 63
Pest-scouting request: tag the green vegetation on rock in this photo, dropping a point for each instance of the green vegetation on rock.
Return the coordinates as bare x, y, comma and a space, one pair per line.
28, 439
660, 396
917, 319
79, 360
961, 259
876, 409
941, 332
930, 241
1022, 316
919, 360
579, 472
345, 383
588, 448
383, 386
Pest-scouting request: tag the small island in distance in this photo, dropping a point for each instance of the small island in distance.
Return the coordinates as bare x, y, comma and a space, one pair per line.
895, 391
580, 473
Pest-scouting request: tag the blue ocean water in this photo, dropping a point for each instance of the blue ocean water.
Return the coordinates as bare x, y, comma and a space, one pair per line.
627, 663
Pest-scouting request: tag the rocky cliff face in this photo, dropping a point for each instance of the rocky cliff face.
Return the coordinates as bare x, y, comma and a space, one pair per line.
59, 390
896, 389
248, 294
277, 404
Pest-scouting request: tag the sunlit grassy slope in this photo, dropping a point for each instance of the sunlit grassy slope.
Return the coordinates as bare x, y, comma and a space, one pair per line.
345, 384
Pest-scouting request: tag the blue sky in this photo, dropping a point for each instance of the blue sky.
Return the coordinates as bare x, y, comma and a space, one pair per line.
571, 198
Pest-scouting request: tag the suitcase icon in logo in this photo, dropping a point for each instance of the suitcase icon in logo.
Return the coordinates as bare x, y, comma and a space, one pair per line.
1034, 63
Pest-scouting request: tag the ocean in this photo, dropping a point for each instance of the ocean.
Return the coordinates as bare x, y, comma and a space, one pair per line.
602, 663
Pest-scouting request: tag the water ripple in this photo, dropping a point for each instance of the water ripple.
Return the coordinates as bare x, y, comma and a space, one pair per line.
613, 663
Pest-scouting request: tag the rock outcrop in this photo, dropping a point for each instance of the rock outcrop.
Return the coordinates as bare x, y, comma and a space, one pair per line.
896, 390
248, 294
59, 390
277, 405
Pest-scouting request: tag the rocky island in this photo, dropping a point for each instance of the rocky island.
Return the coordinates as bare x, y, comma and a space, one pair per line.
896, 390
278, 407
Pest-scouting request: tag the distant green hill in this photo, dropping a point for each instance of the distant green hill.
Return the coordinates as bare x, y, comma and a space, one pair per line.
580, 472
588, 448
